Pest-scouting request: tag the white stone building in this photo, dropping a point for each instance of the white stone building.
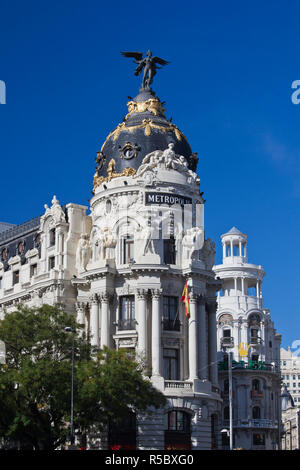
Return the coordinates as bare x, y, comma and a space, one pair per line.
290, 432
121, 269
290, 372
245, 328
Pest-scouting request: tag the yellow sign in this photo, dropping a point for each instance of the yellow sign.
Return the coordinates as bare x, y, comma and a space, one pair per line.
243, 349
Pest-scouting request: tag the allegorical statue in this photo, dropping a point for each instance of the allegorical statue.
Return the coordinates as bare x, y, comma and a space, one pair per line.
149, 64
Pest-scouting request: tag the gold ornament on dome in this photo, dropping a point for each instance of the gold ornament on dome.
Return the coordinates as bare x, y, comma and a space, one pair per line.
147, 125
111, 174
153, 105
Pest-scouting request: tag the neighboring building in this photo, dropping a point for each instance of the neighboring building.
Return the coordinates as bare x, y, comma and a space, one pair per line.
290, 439
245, 328
290, 373
122, 268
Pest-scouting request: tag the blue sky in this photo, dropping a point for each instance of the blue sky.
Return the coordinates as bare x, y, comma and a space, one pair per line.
227, 87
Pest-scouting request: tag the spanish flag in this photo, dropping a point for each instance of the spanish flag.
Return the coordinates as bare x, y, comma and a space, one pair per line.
185, 299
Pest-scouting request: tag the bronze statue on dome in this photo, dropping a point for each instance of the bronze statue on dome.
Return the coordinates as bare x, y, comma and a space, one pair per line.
149, 64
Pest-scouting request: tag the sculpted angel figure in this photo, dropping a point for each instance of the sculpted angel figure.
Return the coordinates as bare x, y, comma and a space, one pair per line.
149, 64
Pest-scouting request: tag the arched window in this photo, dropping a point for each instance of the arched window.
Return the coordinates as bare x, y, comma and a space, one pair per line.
178, 430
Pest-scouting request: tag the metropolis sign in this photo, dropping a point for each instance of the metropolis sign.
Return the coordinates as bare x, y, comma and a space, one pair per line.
167, 198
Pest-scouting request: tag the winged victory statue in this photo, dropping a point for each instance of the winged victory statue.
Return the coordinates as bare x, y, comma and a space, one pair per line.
149, 64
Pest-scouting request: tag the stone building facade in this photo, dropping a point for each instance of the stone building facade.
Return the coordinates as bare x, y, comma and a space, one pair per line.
120, 266
245, 329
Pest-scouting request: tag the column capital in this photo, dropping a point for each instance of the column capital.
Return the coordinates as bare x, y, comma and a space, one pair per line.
142, 294
94, 298
156, 293
80, 305
105, 296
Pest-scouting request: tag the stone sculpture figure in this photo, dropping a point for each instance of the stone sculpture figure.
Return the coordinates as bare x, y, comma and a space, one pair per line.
192, 242
82, 253
109, 244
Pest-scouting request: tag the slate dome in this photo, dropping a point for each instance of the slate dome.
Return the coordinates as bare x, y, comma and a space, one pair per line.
143, 130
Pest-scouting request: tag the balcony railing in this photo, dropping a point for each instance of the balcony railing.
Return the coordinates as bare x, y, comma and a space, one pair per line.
227, 341
127, 324
252, 423
178, 384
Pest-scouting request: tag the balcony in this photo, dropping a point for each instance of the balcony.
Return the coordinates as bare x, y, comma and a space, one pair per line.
178, 384
257, 393
127, 324
227, 342
252, 423
255, 341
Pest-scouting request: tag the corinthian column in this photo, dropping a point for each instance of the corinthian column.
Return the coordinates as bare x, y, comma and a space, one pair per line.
203, 362
212, 341
156, 333
104, 319
193, 329
94, 320
142, 323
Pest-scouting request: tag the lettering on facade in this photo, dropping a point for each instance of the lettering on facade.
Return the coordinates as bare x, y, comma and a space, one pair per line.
166, 198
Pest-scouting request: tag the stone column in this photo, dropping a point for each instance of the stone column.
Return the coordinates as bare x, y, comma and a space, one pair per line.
224, 250
203, 363
231, 248
156, 333
94, 320
142, 321
193, 330
104, 319
212, 341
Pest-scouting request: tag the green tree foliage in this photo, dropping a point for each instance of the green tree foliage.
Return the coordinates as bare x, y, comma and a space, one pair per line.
35, 382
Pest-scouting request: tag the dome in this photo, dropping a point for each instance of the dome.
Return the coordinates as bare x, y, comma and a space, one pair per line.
143, 130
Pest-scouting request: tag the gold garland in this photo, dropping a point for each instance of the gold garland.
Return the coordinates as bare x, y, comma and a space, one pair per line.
153, 105
111, 174
147, 125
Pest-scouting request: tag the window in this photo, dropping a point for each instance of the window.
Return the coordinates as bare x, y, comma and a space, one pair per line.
170, 313
4, 254
127, 313
178, 431
256, 412
33, 270
169, 250
16, 277
255, 385
20, 248
171, 364
128, 245
52, 237
258, 439
0, 282
51, 262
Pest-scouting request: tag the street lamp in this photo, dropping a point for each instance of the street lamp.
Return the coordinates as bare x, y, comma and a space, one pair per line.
68, 329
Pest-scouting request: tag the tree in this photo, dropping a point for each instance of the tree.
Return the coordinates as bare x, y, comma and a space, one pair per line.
35, 382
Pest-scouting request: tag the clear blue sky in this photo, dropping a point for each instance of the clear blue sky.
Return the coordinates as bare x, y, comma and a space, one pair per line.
228, 88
